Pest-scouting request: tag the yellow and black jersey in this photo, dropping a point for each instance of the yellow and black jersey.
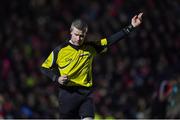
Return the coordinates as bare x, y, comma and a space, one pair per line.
76, 61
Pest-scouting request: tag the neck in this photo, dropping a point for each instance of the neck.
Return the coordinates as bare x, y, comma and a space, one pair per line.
73, 43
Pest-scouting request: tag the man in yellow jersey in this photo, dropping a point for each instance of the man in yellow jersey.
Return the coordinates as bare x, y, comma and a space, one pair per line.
70, 64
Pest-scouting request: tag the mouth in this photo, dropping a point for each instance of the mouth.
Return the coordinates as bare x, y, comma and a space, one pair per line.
79, 41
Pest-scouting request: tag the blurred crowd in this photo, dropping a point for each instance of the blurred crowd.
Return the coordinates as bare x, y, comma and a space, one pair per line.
125, 78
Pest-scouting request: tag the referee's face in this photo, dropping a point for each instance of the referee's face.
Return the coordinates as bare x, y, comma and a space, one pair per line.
77, 36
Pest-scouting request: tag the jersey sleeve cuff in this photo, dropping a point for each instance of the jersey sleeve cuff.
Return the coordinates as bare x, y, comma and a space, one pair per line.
128, 29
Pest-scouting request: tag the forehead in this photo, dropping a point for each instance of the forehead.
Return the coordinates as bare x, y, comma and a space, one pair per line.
77, 31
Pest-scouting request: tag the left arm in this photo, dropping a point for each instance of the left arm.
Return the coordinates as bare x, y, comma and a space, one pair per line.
101, 46
135, 22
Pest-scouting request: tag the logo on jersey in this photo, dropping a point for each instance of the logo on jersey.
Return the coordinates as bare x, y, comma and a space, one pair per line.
81, 55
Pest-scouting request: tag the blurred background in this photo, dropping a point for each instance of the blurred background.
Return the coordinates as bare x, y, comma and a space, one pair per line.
127, 79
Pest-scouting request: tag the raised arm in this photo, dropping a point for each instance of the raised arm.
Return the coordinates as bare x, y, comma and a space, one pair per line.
135, 22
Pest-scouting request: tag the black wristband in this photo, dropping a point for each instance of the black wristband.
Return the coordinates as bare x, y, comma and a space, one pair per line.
128, 29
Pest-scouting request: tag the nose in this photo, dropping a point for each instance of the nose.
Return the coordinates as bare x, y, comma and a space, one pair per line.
78, 37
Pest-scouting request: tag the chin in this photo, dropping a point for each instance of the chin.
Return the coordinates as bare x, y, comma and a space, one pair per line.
80, 43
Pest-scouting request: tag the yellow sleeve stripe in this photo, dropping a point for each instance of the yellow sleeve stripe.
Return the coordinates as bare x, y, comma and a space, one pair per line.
52, 58
49, 61
104, 42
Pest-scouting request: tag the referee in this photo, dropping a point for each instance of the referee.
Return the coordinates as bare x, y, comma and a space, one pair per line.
70, 64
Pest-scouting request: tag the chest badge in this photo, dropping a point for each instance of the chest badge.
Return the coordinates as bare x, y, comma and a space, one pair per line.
82, 54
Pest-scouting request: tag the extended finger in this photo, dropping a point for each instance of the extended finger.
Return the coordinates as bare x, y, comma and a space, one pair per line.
140, 15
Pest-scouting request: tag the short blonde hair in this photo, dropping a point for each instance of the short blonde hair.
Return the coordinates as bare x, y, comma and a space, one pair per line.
79, 24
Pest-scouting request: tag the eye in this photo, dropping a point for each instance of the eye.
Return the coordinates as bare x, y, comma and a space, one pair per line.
76, 34
81, 36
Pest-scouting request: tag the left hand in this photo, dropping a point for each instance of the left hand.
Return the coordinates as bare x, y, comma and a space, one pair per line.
136, 20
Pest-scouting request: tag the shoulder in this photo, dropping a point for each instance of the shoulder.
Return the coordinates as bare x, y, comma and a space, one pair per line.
59, 47
96, 45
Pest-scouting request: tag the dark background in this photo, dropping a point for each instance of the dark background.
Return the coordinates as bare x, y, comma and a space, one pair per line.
125, 78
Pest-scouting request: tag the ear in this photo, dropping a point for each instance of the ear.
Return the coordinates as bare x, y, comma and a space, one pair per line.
71, 29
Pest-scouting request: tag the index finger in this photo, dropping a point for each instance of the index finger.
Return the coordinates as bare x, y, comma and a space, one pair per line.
140, 15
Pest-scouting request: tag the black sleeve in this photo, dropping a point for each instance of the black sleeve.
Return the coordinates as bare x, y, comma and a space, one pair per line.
52, 72
119, 35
